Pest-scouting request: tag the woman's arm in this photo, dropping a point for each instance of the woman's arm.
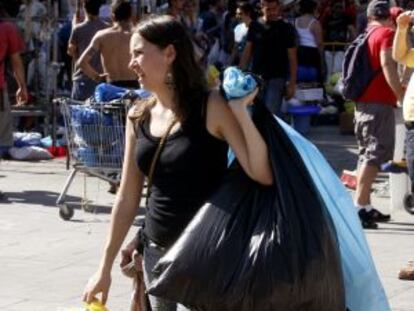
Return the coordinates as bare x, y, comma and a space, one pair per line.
316, 30
123, 214
231, 121
84, 61
18, 70
401, 52
127, 200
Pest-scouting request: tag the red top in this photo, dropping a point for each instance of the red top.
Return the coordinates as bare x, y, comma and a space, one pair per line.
10, 43
378, 90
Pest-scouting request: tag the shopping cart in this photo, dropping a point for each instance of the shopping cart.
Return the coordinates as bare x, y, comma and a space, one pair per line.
95, 135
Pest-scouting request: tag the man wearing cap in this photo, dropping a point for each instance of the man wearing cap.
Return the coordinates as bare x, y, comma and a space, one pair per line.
405, 55
374, 111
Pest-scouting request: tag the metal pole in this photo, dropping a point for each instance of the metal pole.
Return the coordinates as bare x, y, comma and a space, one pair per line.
55, 69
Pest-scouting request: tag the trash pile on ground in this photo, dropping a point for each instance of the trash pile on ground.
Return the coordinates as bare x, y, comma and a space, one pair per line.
31, 146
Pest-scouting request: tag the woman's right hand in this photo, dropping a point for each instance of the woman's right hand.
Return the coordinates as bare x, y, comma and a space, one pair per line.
404, 19
98, 283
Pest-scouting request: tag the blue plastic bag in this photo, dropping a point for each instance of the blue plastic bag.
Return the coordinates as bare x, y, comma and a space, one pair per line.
93, 126
363, 288
26, 139
87, 156
237, 84
105, 92
84, 115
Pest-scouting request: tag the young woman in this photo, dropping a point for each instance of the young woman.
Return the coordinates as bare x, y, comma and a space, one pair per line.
194, 157
310, 50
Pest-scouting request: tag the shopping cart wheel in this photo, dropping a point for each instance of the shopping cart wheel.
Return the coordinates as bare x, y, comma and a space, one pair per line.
409, 203
87, 206
66, 212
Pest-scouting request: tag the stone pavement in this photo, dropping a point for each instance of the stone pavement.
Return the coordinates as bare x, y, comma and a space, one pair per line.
45, 261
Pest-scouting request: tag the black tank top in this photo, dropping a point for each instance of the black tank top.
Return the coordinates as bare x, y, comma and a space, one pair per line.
190, 167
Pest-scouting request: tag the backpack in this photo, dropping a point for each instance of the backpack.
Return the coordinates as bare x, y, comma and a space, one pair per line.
357, 71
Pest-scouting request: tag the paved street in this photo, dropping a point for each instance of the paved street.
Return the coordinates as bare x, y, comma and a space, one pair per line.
45, 261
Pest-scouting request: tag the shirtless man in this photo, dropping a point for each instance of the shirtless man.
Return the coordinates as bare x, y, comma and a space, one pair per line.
113, 45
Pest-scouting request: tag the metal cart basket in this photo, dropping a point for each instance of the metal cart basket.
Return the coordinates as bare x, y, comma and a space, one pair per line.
95, 135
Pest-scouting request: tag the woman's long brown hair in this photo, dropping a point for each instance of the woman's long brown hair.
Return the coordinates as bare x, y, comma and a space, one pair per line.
188, 77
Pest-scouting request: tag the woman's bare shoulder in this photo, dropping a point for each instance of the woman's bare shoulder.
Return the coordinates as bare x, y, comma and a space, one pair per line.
216, 100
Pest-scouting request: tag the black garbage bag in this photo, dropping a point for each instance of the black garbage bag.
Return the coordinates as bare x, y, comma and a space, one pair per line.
257, 248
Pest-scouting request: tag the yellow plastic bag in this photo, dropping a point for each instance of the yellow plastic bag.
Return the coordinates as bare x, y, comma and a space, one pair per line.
212, 76
95, 306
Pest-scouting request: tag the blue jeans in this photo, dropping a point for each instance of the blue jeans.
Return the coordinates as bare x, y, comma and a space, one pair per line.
409, 153
82, 89
6, 123
152, 255
273, 95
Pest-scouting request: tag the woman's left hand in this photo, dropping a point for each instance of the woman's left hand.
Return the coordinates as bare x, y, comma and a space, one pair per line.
244, 101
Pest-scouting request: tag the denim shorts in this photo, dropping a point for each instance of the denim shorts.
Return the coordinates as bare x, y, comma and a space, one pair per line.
82, 89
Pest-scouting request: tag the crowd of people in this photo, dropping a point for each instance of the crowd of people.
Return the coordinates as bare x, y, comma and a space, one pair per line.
169, 55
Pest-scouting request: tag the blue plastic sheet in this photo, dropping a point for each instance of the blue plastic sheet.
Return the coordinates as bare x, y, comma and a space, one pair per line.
364, 291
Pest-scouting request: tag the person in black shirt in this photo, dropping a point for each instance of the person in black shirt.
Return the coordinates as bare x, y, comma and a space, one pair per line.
83, 86
271, 49
194, 158
338, 31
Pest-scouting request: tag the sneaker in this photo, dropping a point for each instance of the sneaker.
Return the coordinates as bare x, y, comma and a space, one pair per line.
395, 167
378, 216
367, 221
407, 273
